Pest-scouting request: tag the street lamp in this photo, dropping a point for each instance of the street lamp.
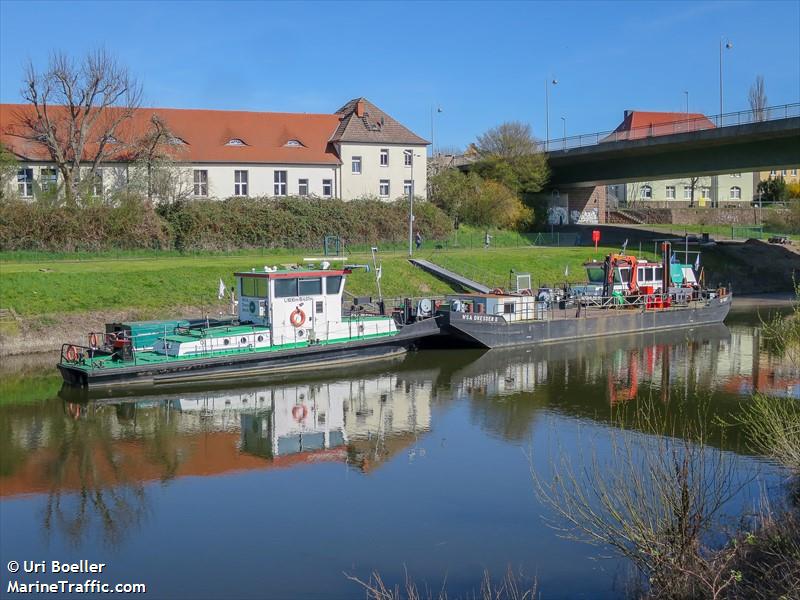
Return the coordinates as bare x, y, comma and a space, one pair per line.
728, 46
564, 131
686, 92
434, 111
547, 85
411, 206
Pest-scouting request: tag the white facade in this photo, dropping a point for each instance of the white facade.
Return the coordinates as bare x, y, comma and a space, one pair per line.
366, 168
719, 190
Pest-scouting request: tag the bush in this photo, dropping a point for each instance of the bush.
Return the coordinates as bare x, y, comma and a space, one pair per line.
236, 223
129, 224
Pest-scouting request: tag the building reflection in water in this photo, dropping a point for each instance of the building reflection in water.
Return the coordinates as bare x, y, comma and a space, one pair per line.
93, 459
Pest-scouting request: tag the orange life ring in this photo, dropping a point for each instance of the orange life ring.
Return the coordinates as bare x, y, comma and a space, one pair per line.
71, 354
297, 318
93, 340
299, 412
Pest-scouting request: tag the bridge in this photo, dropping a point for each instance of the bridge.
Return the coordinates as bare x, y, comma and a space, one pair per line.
731, 143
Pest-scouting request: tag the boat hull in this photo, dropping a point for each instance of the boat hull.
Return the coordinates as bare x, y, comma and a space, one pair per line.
250, 364
493, 331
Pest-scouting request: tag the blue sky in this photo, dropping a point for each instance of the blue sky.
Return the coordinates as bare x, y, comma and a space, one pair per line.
483, 63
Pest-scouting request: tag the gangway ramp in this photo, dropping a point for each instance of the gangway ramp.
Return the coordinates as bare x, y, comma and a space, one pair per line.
449, 276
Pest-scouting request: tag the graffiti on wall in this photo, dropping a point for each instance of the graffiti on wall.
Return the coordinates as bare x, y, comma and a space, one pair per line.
557, 215
588, 216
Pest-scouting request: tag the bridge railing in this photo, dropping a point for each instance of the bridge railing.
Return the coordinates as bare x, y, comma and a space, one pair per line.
742, 117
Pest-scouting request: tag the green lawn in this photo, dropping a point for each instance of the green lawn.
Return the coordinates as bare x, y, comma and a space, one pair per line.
156, 283
718, 231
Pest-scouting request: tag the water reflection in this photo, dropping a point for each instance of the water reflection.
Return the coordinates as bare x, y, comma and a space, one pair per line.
93, 461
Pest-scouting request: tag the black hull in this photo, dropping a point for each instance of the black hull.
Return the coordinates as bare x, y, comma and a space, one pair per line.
489, 331
249, 365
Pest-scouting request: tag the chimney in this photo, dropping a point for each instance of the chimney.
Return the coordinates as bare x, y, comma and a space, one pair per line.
360, 109
627, 113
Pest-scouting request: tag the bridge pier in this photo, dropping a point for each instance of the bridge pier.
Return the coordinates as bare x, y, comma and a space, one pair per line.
570, 205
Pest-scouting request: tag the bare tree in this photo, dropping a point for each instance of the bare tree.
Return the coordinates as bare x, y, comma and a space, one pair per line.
758, 99
154, 152
78, 107
512, 139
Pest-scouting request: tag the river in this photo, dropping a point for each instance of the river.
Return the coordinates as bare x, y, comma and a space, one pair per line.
278, 488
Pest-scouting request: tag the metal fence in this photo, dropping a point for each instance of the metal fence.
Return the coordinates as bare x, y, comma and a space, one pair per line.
689, 125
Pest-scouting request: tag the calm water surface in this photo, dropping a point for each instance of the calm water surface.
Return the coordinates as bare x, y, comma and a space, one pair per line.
276, 488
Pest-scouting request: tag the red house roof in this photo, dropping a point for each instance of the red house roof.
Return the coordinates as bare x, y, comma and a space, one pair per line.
639, 124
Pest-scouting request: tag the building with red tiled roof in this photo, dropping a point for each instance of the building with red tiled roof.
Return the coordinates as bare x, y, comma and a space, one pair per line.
357, 151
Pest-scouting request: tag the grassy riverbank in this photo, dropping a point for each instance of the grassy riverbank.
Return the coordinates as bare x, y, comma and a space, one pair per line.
154, 283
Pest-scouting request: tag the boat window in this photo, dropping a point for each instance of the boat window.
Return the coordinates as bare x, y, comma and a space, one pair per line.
640, 276
595, 274
334, 283
285, 288
248, 286
311, 287
659, 273
318, 307
508, 308
624, 274
262, 284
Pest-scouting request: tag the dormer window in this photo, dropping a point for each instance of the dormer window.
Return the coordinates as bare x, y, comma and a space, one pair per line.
111, 140
176, 141
294, 144
236, 142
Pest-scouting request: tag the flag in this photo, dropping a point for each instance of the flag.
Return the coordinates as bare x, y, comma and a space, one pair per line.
697, 262
221, 293
624, 246
566, 271
674, 259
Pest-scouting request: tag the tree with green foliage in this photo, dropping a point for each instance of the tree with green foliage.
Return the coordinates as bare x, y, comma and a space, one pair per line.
452, 191
773, 190
8, 173
496, 206
511, 139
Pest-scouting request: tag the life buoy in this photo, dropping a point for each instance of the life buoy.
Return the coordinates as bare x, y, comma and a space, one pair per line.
299, 412
71, 354
297, 318
93, 340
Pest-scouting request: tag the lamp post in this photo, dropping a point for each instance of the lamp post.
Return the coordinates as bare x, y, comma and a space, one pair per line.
686, 93
547, 111
564, 132
728, 46
411, 207
434, 111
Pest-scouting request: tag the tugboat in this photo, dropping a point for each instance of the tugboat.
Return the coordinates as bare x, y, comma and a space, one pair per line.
624, 295
289, 319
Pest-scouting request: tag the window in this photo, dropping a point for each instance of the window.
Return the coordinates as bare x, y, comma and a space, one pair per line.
25, 183
736, 174
254, 287
302, 187
736, 193
645, 192
236, 142
408, 156
407, 187
670, 192
200, 182
285, 288
311, 287
783, 173
772, 173
280, 183
48, 178
383, 189
294, 144
508, 308
327, 187
333, 284
97, 184
318, 307
640, 276
794, 171
356, 165
240, 183
705, 192
384, 157
687, 192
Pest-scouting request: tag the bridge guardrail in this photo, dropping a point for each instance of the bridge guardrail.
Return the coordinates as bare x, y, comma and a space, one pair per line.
742, 117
